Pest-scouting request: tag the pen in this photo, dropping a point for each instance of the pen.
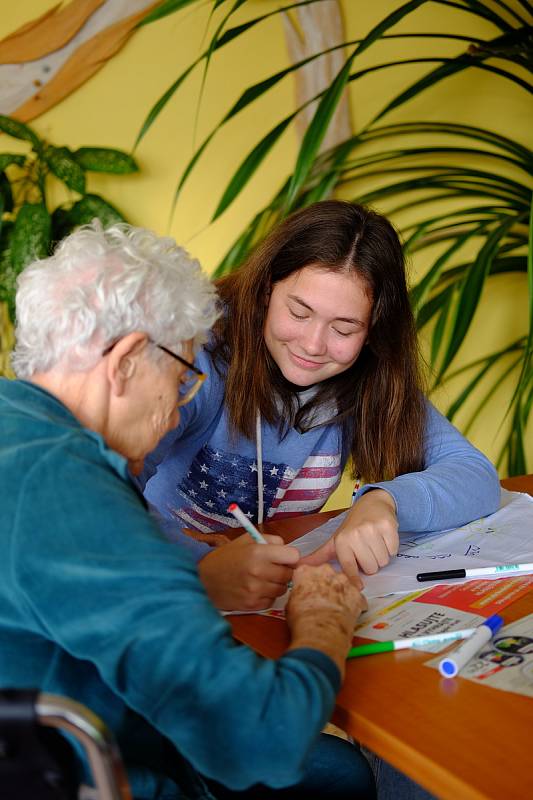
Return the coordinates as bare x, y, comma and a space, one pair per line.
450, 665
357, 486
472, 573
413, 642
258, 537
234, 509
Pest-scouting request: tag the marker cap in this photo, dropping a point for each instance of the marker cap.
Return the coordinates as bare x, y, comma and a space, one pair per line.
450, 665
448, 668
494, 623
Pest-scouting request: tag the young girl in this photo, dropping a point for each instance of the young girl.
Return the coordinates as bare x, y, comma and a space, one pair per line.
313, 365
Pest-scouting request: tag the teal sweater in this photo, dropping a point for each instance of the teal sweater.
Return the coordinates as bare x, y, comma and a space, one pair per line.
96, 605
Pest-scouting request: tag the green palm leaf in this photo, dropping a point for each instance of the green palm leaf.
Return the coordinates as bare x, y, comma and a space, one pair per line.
452, 129
161, 103
428, 281
514, 445
163, 10
482, 10
471, 292
483, 402
485, 365
525, 374
249, 166
451, 67
441, 325
316, 131
218, 41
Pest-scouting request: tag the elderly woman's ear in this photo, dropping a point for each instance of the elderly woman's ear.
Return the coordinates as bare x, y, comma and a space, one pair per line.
123, 358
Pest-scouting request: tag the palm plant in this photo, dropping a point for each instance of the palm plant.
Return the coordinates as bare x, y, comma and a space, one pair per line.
466, 189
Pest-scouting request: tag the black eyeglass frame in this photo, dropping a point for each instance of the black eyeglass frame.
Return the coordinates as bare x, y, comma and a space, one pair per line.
194, 389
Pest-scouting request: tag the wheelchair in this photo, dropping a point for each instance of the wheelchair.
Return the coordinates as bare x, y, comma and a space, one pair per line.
38, 763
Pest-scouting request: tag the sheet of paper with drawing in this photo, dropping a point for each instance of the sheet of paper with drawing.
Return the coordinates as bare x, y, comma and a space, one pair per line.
502, 538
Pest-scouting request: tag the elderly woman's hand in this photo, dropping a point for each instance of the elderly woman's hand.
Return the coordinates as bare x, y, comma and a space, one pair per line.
322, 611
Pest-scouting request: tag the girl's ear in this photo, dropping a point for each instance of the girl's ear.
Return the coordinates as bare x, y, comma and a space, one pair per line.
123, 361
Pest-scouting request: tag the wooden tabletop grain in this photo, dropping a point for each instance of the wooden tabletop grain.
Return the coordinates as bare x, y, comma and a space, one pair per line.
458, 739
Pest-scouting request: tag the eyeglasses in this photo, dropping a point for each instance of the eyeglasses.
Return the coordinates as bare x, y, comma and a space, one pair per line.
190, 381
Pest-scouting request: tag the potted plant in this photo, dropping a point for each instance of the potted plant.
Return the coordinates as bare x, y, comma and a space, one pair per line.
470, 186
30, 223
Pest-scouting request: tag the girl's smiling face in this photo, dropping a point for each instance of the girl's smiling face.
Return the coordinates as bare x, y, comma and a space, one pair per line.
316, 324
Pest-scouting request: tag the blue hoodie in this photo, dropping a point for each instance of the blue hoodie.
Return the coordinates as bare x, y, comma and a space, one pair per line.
199, 468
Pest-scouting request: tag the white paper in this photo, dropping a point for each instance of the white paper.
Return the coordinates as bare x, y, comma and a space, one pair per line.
505, 537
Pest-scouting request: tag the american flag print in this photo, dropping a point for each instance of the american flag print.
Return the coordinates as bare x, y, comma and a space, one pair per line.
217, 478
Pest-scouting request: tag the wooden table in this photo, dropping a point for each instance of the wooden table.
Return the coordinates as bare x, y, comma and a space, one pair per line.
458, 739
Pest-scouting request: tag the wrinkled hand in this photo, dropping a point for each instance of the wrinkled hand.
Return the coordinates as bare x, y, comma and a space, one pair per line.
367, 538
322, 611
316, 589
245, 576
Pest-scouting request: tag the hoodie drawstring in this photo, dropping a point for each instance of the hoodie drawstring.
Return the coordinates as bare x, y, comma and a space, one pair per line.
259, 454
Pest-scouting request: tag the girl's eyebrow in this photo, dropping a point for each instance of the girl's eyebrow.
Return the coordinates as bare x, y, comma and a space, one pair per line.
349, 320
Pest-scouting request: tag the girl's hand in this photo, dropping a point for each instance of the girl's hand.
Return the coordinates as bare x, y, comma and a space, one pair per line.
366, 540
245, 576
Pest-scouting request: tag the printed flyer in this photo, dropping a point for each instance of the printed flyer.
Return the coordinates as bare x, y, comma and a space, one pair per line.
440, 609
506, 662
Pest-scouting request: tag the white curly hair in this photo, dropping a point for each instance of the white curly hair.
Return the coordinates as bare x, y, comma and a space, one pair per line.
100, 285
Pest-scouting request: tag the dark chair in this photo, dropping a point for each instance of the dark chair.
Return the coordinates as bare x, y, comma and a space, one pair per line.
38, 763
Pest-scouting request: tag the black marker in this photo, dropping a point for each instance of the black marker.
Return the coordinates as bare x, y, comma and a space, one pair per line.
445, 574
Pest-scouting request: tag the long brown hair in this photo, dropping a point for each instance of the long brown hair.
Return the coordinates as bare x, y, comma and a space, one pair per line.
379, 399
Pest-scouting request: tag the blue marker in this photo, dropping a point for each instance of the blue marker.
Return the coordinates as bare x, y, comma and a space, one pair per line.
451, 664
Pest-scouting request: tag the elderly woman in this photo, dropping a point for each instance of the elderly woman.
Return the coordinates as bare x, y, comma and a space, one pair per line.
94, 602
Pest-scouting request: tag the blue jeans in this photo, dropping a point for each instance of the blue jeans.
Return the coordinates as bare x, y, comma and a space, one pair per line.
334, 770
392, 784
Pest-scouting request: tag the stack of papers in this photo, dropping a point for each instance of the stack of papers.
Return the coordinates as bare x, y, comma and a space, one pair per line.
505, 537
399, 606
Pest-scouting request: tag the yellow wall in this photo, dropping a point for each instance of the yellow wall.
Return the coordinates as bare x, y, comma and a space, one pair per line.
109, 110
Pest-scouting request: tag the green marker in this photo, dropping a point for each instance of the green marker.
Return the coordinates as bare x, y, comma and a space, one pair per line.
409, 643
